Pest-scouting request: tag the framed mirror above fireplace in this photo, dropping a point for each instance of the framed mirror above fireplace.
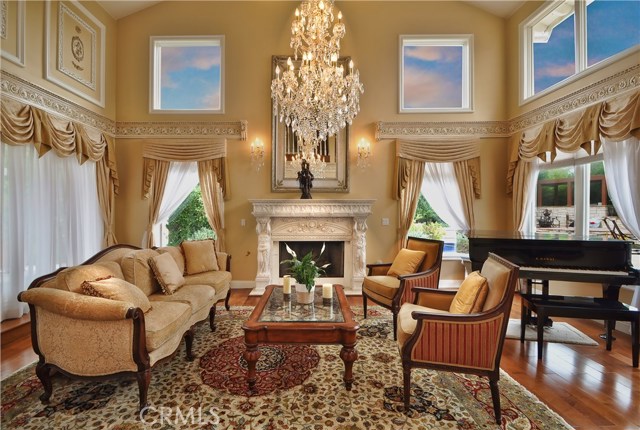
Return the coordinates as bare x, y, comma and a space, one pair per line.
334, 177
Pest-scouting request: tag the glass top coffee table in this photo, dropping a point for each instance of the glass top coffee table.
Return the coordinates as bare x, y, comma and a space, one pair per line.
279, 319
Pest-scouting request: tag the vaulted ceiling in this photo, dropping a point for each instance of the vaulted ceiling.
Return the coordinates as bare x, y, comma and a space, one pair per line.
119, 9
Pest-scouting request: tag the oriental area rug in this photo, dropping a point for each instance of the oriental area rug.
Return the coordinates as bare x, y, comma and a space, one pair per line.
298, 387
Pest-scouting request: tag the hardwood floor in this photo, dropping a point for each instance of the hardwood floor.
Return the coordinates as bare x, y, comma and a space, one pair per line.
588, 386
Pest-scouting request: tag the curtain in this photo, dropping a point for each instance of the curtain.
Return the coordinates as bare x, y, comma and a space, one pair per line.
24, 124
181, 180
438, 179
50, 218
411, 156
156, 193
622, 172
614, 119
412, 174
211, 156
209, 172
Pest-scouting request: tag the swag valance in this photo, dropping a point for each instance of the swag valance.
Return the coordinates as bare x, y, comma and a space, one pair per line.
613, 119
436, 151
213, 151
23, 124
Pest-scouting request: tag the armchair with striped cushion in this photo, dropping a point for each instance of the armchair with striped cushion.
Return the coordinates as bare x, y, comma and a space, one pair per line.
430, 335
390, 285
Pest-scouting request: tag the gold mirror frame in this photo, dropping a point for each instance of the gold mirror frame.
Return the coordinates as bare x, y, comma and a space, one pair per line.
284, 174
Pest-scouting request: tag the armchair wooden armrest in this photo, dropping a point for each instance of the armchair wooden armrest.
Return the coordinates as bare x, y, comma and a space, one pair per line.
378, 269
431, 298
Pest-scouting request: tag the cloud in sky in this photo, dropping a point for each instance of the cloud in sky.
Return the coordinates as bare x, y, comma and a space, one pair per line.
433, 53
211, 100
176, 60
425, 88
556, 70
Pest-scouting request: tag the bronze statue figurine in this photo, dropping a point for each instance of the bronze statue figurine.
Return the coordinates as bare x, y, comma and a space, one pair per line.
305, 177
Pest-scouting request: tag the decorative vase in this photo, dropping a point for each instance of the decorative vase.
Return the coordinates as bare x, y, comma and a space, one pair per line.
303, 296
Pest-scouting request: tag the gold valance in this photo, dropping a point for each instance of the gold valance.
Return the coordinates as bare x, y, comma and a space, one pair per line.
613, 119
436, 151
182, 150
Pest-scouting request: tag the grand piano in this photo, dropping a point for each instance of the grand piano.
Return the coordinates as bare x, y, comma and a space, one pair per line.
560, 257
550, 256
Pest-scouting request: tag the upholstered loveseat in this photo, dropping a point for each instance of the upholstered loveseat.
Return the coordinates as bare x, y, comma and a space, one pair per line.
110, 316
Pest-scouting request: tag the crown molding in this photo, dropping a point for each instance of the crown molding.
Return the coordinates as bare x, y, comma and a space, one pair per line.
31, 94
158, 129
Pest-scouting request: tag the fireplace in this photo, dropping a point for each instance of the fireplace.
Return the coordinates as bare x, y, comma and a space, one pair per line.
333, 255
307, 224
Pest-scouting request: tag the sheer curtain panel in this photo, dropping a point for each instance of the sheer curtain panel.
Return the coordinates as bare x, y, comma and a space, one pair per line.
438, 186
181, 180
51, 218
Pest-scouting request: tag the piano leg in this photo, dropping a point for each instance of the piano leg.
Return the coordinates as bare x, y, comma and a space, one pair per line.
540, 326
610, 292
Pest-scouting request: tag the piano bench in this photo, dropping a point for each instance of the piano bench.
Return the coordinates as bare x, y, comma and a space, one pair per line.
581, 307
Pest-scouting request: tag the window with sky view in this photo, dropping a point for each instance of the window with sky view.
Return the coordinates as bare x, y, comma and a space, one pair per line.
611, 27
187, 74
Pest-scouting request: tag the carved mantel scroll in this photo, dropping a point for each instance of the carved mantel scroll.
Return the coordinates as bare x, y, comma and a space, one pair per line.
312, 220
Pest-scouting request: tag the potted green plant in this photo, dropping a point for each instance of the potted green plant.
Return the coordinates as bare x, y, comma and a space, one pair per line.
305, 271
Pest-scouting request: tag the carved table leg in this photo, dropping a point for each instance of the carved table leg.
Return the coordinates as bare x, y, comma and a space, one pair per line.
348, 355
251, 355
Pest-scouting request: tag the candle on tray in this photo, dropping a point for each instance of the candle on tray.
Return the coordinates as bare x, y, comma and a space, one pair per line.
286, 284
327, 291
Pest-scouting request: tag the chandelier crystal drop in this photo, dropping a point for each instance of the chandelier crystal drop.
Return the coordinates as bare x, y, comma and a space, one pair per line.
319, 97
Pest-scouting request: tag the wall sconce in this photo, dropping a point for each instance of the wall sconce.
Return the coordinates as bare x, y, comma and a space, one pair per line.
257, 154
364, 153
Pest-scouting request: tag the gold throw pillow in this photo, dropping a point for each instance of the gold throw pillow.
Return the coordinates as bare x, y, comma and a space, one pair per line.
117, 289
471, 295
200, 256
167, 272
406, 262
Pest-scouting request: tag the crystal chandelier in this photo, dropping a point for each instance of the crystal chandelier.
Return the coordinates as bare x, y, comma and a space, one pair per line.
320, 97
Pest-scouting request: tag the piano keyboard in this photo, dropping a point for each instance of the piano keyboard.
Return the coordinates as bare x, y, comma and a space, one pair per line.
582, 271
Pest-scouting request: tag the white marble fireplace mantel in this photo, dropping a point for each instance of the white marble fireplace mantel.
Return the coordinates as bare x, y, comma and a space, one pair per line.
312, 220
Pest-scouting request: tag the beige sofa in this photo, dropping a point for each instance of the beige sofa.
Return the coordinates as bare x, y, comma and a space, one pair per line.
95, 338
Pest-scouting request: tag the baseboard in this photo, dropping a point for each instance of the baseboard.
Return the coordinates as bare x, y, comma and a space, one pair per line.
240, 285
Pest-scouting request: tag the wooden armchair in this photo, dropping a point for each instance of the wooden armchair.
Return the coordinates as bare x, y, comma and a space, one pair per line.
391, 291
474, 341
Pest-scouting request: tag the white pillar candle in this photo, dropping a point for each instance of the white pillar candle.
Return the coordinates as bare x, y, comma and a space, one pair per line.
286, 284
327, 291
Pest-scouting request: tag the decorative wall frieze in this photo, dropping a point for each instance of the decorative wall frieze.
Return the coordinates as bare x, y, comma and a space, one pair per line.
627, 80
28, 93
326, 208
597, 92
226, 129
399, 130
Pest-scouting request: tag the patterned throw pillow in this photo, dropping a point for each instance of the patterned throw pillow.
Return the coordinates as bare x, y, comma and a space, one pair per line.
167, 272
117, 289
406, 262
200, 256
471, 295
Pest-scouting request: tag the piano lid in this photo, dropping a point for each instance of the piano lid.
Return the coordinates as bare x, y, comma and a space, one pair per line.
505, 234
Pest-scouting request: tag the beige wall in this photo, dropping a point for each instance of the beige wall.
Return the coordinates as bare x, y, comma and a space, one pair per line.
254, 31
34, 57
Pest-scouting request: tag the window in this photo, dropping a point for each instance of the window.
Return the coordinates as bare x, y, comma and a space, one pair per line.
572, 196
187, 74
436, 73
566, 38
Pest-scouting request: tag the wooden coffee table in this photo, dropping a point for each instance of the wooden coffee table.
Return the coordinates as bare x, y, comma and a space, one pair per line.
277, 319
